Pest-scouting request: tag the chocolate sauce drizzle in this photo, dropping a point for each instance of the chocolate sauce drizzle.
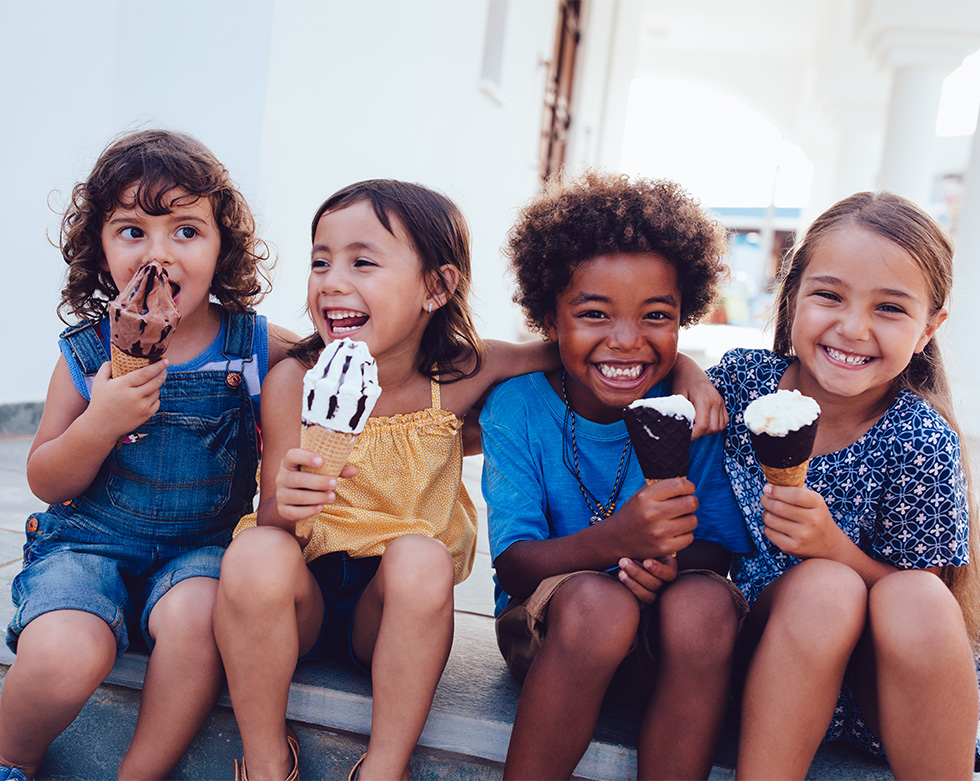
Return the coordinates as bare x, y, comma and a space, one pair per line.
334, 401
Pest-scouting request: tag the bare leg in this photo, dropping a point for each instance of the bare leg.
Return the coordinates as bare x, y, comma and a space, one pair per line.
62, 658
183, 680
697, 627
925, 679
404, 626
592, 621
268, 612
812, 618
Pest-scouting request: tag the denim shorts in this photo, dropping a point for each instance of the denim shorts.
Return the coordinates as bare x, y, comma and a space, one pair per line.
342, 580
72, 564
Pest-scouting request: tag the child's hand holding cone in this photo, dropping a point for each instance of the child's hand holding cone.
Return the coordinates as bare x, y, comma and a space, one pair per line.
660, 431
339, 393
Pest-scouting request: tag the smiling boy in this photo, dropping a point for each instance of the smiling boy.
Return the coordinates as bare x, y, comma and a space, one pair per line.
589, 599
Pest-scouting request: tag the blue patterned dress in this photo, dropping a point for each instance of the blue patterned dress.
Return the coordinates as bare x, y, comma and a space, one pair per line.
899, 493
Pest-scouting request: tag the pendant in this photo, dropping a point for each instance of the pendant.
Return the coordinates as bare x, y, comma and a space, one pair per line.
601, 513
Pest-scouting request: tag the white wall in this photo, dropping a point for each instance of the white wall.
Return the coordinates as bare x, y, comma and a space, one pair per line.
297, 97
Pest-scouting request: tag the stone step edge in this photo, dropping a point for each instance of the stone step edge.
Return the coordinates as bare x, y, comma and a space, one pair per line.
321, 706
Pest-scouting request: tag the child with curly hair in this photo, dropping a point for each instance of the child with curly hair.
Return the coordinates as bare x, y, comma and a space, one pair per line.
145, 473
372, 584
605, 584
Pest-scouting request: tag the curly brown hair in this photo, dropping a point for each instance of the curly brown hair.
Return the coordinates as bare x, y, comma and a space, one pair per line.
600, 214
157, 162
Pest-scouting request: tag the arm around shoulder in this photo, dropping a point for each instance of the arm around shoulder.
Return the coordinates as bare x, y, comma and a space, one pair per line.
511, 359
689, 379
280, 340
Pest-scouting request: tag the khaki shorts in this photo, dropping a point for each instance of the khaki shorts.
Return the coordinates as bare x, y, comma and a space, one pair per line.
522, 626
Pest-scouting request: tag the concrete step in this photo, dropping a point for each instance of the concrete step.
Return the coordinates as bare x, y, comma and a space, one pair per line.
330, 707
95, 743
466, 734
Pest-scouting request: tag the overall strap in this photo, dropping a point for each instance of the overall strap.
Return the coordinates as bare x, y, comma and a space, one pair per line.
434, 390
86, 347
239, 334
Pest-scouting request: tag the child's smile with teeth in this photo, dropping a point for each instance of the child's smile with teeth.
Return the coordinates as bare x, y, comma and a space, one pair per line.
849, 358
617, 372
344, 321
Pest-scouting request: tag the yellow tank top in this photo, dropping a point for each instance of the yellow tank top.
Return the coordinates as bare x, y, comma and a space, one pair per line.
409, 481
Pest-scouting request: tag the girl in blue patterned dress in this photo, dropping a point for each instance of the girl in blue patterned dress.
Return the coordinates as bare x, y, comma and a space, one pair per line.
864, 589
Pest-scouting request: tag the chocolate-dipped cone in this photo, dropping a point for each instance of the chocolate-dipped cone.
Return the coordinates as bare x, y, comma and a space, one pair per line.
782, 428
662, 442
790, 450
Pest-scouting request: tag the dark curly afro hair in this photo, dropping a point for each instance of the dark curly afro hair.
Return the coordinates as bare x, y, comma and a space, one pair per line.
600, 214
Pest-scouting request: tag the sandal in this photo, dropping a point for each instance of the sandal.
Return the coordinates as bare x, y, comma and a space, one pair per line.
354, 770
293, 742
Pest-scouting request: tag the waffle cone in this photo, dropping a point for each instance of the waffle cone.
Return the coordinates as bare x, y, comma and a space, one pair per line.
123, 363
790, 475
334, 447
652, 480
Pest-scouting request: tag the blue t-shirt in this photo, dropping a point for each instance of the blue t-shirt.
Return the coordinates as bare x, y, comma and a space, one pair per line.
532, 495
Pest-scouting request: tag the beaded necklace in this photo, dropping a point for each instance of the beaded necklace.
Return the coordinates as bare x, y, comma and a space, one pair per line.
598, 510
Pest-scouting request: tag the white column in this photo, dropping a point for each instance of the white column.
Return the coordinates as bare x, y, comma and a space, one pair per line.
961, 349
858, 156
907, 165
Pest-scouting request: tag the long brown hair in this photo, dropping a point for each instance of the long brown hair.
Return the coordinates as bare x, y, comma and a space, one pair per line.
157, 163
439, 236
903, 223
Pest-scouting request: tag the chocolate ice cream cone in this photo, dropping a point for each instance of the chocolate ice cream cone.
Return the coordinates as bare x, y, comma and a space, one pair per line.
662, 442
123, 363
782, 428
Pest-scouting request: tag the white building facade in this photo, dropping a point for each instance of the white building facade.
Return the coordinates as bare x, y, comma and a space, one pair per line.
301, 97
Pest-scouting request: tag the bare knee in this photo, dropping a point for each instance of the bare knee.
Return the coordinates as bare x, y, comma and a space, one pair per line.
185, 612
67, 651
420, 569
914, 616
820, 604
698, 620
593, 616
256, 568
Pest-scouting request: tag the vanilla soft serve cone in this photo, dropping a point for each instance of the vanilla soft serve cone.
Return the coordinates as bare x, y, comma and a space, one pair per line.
339, 393
782, 427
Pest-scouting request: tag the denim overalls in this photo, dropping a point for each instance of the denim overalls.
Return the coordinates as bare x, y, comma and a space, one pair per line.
163, 505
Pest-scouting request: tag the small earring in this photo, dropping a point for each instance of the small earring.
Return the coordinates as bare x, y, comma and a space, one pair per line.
429, 308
